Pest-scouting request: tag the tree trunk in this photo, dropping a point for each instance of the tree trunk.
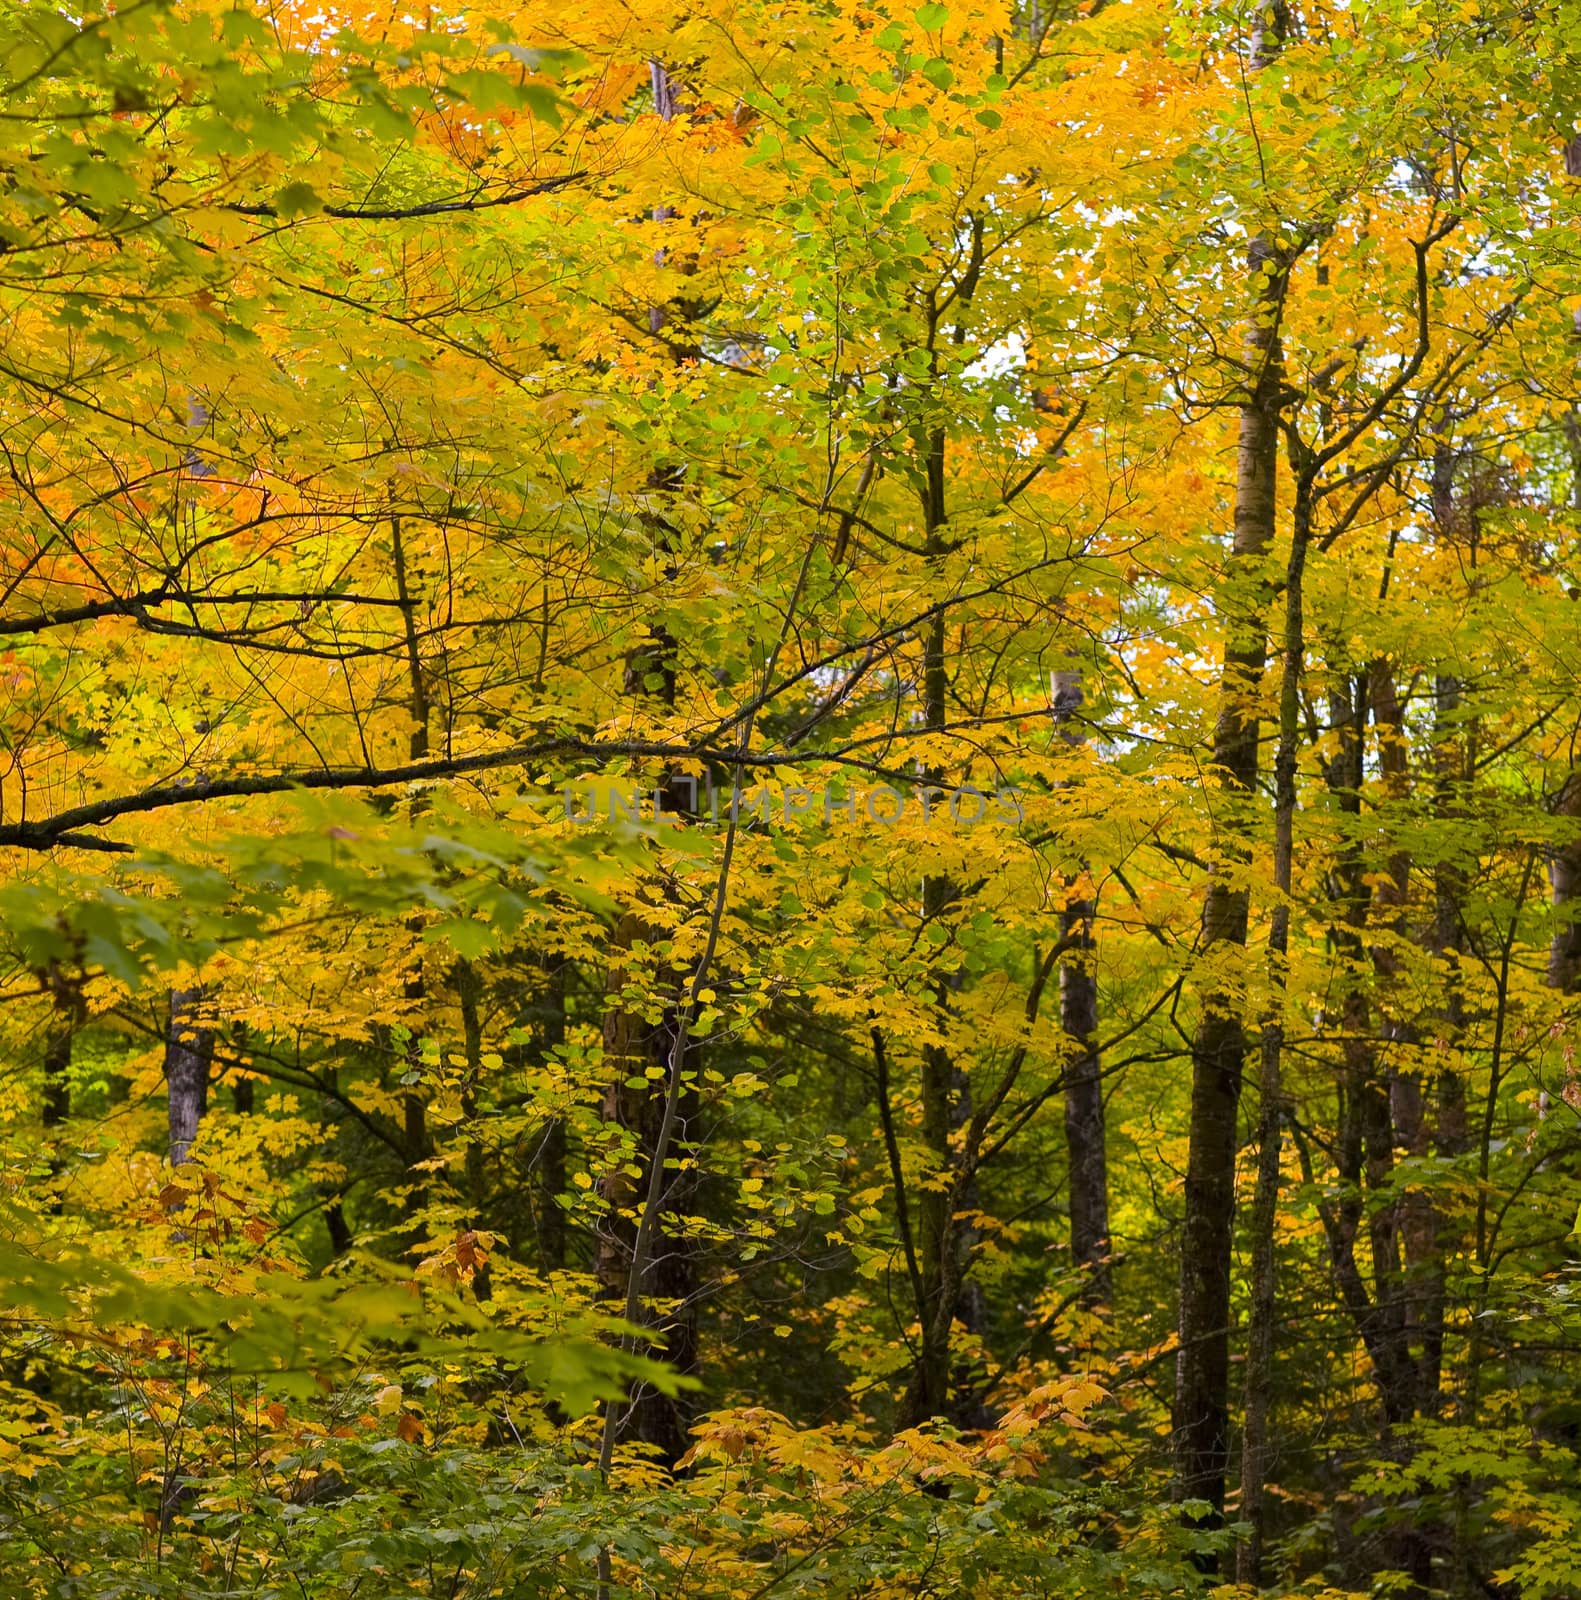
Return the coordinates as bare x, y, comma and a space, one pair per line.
939, 1249
70, 1012
1202, 1367
638, 1043
634, 1044
1085, 1141
189, 1055
1564, 881
1454, 766
1365, 1141
1564, 864
941, 1253
1265, 1204
414, 1105
1418, 1222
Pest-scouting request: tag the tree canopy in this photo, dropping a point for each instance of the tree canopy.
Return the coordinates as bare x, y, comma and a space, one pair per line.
790, 799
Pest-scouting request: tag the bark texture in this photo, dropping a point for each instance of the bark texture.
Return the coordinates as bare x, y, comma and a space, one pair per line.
189, 1057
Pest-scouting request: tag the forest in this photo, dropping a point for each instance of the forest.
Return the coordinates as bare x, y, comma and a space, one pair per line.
790, 799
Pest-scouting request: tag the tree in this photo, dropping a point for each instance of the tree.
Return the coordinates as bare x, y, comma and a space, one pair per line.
733, 664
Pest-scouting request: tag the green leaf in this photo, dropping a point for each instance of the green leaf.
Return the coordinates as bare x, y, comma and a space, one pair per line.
298, 200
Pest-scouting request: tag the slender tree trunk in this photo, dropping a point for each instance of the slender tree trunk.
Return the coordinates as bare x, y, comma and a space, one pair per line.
1365, 1138
941, 1241
634, 1044
467, 982
1413, 1129
930, 1390
1085, 1141
939, 1249
1457, 499
639, 1055
414, 1104
1455, 518
1202, 1368
1456, 505
1255, 1450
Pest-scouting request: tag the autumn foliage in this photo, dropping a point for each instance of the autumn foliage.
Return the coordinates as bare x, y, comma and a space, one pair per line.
790, 800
